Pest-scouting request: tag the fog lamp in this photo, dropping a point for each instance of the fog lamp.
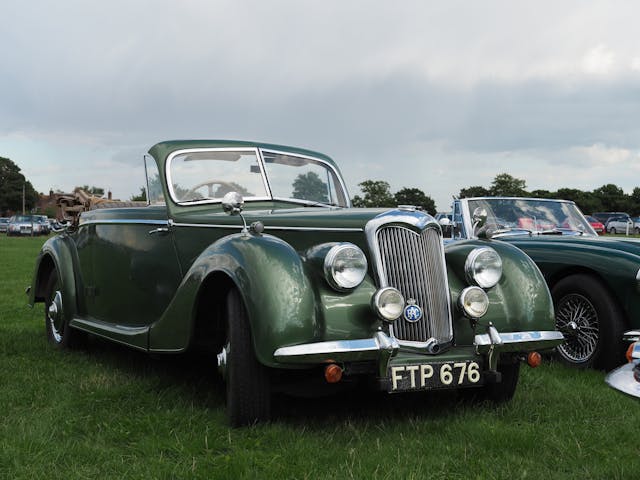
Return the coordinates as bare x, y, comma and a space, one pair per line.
388, 303
474, 302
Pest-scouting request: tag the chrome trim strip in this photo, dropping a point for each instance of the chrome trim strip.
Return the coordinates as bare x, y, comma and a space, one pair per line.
518, 341
300, 229
631, 336
338, 350
84, 223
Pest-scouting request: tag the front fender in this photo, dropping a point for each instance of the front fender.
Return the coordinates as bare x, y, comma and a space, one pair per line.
519, 302
270, 277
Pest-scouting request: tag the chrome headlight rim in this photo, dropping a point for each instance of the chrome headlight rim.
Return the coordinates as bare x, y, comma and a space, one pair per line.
378, 304
465, 302
472, 268
332, 274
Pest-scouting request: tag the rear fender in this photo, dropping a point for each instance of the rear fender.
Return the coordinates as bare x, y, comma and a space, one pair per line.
57, 253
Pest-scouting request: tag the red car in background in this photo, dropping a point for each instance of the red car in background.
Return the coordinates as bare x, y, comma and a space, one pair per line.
597, 225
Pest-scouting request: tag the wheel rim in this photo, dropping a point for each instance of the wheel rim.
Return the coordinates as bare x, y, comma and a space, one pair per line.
54, 316
577, 319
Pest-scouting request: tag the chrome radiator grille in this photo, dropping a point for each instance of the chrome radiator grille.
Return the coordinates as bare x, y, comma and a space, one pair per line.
414, 264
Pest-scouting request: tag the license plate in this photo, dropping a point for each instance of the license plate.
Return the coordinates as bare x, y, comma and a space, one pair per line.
434, 375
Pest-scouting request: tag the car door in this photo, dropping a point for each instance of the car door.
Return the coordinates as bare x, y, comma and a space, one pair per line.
129, 266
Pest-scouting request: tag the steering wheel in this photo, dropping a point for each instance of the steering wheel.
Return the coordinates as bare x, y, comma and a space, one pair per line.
193, 194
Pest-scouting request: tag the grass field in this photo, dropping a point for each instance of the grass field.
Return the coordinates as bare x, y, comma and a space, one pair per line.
109, 412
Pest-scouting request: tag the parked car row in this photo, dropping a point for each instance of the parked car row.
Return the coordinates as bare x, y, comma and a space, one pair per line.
29, 225
619, 222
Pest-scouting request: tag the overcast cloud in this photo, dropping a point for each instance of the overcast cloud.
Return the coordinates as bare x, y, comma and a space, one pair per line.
434, 95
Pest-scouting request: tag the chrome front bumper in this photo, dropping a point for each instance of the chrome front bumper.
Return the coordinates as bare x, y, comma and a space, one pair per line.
381, 347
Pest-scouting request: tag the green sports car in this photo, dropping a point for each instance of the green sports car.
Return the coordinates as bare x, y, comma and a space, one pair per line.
594, 281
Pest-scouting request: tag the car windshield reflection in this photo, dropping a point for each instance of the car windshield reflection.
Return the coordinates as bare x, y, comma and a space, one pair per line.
534, 216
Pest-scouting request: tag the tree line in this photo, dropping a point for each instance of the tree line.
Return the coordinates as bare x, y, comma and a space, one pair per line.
607, 198
375, 193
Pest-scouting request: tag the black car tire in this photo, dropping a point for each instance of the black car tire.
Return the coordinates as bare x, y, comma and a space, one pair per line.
591, 322
636, 231
59, 333
248, 385
613, 230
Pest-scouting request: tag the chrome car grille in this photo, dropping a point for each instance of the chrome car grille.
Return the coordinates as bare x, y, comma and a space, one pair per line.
414, 264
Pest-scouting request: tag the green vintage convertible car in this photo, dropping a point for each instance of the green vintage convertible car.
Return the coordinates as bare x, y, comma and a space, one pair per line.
595, 281
252, 252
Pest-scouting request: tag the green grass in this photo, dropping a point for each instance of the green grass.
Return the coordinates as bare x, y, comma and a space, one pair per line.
109, 412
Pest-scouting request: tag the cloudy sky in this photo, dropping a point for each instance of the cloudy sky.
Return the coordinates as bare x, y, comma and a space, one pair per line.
433, 95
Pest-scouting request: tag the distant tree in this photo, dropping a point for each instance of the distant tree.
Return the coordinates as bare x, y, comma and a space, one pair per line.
12, 183
415, 196
141, 197
634, 200
542, 194
309, 186
586, 201
612, 197
504, 185
475, 191
376, 194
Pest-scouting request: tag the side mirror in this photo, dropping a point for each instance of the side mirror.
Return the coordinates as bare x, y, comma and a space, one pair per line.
232, 203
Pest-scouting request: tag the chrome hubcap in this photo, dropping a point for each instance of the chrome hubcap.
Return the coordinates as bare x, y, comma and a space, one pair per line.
54, 316
577, 319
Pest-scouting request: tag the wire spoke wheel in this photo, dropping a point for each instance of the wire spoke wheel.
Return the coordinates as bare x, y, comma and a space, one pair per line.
577, 319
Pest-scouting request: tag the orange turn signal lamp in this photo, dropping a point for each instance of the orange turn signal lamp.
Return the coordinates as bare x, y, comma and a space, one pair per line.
534, 359
629, 353
332, 373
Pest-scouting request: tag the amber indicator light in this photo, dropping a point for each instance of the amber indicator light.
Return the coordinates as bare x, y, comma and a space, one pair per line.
534, 359
629, 353
332, 373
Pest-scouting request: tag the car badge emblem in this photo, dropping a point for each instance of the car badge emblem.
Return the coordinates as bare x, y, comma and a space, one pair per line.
412, 312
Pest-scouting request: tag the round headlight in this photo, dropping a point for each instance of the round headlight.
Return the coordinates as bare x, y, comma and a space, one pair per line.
345, 266
474, 302
388, 303
483, 267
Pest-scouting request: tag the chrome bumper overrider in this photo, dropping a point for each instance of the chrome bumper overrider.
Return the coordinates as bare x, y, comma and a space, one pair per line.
622, 379
381, 347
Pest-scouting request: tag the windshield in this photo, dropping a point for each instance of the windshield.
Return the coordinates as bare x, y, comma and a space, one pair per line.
205, 175
533, 215
293, 177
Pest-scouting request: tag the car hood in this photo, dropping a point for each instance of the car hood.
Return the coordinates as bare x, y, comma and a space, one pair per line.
311, 217
627, 245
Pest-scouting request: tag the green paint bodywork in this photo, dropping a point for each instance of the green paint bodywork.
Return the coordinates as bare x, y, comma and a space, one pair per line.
615, 261
144, 289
